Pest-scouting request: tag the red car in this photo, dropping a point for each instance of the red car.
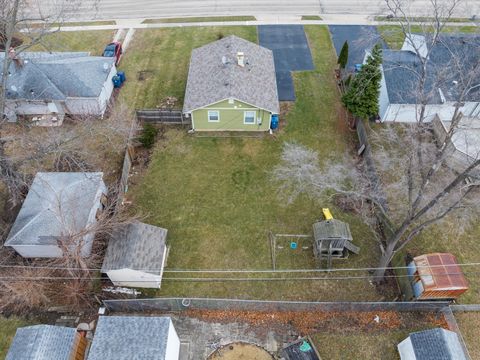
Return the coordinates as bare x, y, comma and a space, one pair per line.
114, 50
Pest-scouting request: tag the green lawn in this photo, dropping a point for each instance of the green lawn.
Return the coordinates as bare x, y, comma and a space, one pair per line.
393, 36
92, 41
200, 19
8, 327
311, 17
216, 196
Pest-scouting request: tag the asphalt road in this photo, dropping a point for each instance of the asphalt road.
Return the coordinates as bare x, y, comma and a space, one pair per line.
129, 9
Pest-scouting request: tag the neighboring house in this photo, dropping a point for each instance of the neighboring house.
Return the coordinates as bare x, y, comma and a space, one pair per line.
435, 344
231, 87
58, 215
464, 146
399, 94
136, 256
134, 337
47, 342
49, 85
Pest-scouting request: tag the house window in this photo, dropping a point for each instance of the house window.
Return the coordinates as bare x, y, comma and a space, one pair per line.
213, 116
249, 117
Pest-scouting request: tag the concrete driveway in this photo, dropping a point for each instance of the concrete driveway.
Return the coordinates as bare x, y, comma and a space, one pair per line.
291, 53
359, 37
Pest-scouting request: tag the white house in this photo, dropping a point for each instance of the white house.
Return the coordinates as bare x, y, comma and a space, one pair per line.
136, 256
399, 94
59, 214
432, 344
46, 85
134, 337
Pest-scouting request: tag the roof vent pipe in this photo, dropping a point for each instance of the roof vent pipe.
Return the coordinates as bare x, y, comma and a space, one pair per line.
241, 59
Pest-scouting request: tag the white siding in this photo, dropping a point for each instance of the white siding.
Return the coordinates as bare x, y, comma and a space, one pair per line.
107, 90
134, 278
383, 100
173, 344
83, 106
38, 251
407, 113
405, 349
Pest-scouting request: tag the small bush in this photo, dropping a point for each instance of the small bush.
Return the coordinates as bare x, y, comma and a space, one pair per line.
149, 134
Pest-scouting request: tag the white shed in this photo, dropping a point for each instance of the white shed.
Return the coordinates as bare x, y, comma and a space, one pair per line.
136, 256
59, 207
134, 337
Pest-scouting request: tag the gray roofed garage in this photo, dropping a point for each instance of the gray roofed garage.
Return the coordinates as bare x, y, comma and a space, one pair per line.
130, 337
42, 342
136, 246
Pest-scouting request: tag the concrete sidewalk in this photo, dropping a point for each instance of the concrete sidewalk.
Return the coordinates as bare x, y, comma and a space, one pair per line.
327, 19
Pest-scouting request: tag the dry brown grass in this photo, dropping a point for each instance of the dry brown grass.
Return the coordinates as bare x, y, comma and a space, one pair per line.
469, 323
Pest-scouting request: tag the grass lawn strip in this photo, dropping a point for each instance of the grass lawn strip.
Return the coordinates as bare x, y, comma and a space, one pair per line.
216, 196
200, 19
469, 323
394, 37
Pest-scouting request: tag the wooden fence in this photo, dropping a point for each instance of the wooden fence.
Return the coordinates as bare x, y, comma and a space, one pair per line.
170, 117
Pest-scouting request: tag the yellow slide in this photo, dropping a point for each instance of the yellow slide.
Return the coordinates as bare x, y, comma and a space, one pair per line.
327, 214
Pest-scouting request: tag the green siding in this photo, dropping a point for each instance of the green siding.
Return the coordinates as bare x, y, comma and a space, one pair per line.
231, 117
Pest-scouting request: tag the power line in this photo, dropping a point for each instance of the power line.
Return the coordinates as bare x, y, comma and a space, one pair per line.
260, 271
192, 279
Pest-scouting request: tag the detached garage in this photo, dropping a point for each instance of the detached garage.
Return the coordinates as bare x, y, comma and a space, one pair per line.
136, 256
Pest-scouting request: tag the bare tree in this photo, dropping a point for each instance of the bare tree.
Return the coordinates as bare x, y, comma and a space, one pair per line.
24, 24
420, 186
68, 280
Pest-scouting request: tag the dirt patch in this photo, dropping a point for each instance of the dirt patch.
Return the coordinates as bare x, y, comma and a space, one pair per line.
285, 108
239, 351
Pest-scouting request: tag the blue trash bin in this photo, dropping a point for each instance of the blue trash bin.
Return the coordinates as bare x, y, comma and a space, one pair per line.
122, 76
274, 123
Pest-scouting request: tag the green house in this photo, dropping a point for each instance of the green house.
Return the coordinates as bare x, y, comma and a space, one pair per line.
231, 87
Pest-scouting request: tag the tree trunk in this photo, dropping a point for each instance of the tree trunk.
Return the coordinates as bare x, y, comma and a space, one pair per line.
385, 259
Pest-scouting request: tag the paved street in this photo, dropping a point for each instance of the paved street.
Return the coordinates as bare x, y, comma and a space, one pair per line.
127, 9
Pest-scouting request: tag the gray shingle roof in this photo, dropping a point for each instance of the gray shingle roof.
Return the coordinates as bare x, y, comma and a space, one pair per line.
401, 70
210, 80
56, 204
136, 246
56, 76
129, 338
42, 342
437, 344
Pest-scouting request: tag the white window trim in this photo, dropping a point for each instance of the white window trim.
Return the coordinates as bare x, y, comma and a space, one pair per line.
218, 115
254, 117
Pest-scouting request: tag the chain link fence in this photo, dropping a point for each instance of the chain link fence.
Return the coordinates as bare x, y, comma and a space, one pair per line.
183, 304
